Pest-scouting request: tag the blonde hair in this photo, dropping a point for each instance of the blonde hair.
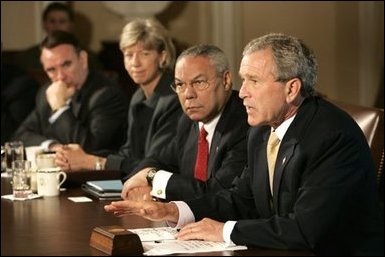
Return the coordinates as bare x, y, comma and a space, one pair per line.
153, 36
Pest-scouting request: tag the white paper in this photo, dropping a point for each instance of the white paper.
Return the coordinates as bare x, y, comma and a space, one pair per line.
191, 246
155, 234
12, 198
161, 241
80, 199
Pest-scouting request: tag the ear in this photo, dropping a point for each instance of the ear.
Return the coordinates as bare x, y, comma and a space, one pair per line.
162, 59
293, 90
227, 80
83, 57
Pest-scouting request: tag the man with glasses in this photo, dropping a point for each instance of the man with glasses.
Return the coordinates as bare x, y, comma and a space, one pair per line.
323, 196
213, 113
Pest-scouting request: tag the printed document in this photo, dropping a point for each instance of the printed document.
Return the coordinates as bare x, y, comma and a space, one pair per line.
161, 241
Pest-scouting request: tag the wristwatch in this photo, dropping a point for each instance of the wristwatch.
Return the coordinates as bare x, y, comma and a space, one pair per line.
150, 176
99, 164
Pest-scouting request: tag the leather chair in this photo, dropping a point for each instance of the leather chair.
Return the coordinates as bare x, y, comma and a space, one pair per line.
371, 121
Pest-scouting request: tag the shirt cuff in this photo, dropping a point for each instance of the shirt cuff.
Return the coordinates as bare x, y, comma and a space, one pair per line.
159, 184
57, 114
227, 230
186, 216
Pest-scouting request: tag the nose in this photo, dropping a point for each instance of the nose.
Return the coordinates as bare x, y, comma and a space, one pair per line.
242, 91
190, 92
135, 61
61, 75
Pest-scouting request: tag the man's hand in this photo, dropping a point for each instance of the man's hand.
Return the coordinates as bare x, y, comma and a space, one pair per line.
73, 158
140, 194
206, 229
138, 180
58, 93
151, 210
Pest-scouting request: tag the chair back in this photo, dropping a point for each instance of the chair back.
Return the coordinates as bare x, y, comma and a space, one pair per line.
371, 121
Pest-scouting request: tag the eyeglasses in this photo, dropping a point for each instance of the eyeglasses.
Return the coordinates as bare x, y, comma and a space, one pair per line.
198, 84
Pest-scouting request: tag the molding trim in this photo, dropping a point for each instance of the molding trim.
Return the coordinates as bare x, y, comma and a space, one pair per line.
227, 33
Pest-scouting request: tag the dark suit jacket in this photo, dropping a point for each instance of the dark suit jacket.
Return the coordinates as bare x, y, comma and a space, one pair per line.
18, 92
227, 157
96, 119
325, 194
164, 112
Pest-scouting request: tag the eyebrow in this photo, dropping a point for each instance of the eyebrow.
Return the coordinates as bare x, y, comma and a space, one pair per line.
194, 78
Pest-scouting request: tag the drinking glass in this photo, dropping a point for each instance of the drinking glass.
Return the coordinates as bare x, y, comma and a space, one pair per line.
21, 178
13, 151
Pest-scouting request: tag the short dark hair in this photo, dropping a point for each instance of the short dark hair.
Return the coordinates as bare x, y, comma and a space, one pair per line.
59, 37
56, 6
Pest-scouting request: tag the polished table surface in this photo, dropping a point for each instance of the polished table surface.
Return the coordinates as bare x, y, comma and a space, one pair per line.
58, 226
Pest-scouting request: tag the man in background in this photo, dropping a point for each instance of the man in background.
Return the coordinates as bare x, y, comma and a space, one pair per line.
17, 98
56, 16
79, 106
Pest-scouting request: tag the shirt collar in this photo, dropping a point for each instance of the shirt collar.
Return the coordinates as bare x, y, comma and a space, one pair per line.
281, 130
210, 127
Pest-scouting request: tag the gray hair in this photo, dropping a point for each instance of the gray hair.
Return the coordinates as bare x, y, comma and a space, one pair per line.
153, 36
293, 59
216, 56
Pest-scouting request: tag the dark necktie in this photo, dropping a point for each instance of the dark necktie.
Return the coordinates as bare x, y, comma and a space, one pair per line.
272, 150
202, 156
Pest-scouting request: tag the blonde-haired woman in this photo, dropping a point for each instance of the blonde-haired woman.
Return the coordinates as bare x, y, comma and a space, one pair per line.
149, 58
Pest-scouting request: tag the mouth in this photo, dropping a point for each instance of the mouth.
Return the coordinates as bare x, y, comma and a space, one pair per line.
137, 73
248, 108
192, 108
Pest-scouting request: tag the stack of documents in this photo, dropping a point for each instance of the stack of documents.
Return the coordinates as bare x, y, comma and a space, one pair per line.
161, 241
104, 189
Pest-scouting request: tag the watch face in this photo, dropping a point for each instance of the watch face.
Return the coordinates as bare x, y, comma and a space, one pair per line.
150, 176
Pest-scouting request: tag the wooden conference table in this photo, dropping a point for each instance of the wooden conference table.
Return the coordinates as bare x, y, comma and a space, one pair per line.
58, 226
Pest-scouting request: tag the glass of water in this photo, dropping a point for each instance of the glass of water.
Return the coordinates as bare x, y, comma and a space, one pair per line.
13, 151
21, 179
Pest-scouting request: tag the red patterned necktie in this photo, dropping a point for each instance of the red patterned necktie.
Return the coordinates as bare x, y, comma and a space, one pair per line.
202, 156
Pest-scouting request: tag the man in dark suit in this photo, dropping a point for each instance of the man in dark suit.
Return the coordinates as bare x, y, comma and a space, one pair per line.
323, 194
203, 85
79, 106
17, 98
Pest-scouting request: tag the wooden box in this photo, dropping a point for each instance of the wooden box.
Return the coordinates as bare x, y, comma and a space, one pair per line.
115, 240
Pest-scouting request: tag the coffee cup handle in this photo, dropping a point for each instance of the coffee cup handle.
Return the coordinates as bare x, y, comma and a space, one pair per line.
64, 177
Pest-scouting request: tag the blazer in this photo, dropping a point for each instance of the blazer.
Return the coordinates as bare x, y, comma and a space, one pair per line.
324, 195
227, 157
18, 92
157, 130
95, 120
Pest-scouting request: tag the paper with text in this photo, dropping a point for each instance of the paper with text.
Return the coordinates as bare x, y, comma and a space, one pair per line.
161, 241
155, 234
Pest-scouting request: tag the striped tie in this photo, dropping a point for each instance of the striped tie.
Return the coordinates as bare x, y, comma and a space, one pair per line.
272, 151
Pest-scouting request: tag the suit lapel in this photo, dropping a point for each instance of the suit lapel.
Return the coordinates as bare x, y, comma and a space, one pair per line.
292, 137
285, 153
214, 148
75, 105
261, 177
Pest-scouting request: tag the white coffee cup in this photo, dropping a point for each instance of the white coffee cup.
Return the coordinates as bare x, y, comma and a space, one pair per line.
44, 160
49, 181
31, 153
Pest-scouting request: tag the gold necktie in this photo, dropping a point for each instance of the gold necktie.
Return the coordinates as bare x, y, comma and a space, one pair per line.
272, 150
